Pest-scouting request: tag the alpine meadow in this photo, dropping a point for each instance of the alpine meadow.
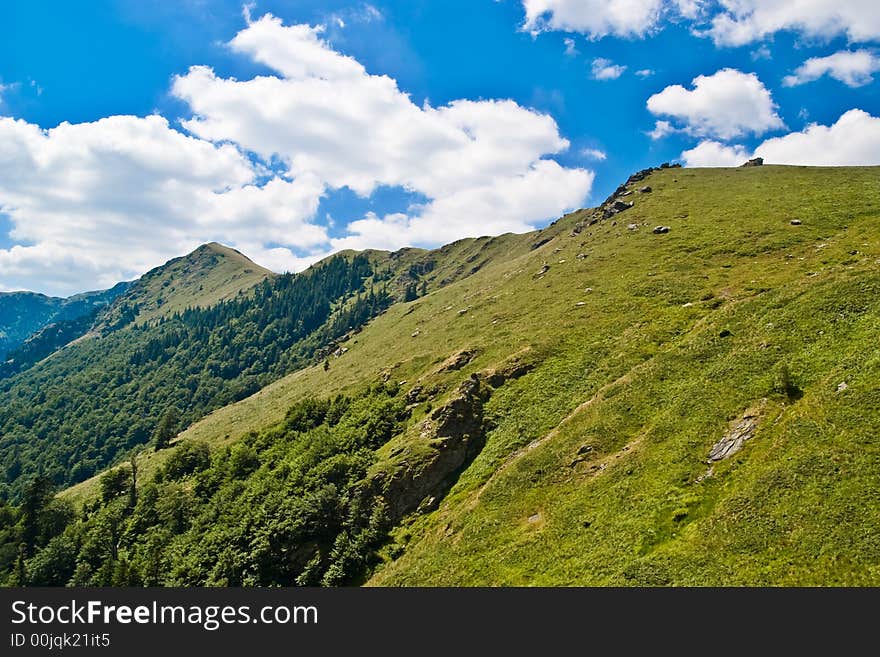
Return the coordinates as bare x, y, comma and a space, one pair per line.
681, 392
459, 295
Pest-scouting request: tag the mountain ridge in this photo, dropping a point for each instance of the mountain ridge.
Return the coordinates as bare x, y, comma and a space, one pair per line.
546, 410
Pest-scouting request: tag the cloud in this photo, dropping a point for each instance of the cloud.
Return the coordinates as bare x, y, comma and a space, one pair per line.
744, 21
570, 47
727, 22
600, 18
853, 68
605, 69
763, 52
710, 153
661, 129
357, 130
94, 203
725, 105
645, 72
854, 140
505, 204
594, 18
594, 154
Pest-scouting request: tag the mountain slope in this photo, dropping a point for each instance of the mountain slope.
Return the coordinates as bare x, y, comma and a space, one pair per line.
145, 371
549, 418
23, 314
210, 274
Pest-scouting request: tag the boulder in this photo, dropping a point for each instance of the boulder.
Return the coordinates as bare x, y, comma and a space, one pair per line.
645, 190
660, 230
754, 162
795, 222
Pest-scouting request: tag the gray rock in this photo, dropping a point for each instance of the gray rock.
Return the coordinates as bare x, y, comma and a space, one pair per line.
645, 190
632, 227
661, 230
842, 386
735, 438
795, 222
755, 162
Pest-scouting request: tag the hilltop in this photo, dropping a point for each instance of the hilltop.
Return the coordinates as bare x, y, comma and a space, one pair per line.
599, 402
210, 274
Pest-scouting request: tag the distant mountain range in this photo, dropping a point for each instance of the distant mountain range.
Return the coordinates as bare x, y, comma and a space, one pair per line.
22, 314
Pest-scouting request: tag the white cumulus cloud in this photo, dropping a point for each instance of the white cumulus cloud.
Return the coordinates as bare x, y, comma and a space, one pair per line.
594, 154
605, 69
325, 116
601, 18
725, 105
94, 203
744, 21
853, 140
594, 18
709, 153
112, 198
854, 68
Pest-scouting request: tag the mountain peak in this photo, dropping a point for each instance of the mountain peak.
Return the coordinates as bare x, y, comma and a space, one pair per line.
208, 275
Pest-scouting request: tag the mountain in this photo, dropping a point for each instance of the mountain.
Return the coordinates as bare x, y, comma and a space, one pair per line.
192, 336
675, 388
210, 274
22, 314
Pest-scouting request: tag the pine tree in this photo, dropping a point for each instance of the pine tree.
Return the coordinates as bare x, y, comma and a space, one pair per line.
167, 428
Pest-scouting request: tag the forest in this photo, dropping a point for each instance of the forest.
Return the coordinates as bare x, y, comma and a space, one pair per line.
84, 408
285, 506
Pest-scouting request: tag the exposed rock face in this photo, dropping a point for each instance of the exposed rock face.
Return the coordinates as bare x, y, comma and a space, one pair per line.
735, 438
615, 207
756, 162
454, 433
457, 360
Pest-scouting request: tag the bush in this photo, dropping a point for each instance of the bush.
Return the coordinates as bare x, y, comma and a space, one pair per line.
188, 458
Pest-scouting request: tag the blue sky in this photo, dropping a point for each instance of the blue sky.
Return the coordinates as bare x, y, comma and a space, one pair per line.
158, 157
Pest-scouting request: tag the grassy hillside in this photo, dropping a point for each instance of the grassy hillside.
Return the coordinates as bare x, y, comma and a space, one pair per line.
210, 274
562, 402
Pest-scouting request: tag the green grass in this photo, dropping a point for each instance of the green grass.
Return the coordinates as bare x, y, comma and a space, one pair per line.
210, 274
798, 505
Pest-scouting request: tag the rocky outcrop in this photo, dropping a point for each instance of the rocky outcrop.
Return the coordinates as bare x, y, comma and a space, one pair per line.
743, 430
453, 435
614, 204
754, 162
457, 360
420, 474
